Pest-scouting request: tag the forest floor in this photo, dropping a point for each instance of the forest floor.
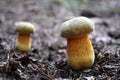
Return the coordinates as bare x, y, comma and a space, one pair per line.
46, 59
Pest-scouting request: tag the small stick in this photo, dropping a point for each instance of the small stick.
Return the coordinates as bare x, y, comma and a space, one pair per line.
39, 69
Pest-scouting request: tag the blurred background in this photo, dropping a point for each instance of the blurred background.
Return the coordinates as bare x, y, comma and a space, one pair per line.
48, 15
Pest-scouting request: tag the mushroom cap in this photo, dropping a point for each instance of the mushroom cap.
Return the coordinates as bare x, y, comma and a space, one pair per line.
76, 27
24, 27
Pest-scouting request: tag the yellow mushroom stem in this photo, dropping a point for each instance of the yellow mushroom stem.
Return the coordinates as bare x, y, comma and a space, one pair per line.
80, 52
23, 42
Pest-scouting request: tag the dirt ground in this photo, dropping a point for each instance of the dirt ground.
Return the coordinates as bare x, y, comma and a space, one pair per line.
46, 59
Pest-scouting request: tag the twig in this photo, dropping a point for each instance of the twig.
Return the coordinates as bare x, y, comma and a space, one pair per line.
40, 70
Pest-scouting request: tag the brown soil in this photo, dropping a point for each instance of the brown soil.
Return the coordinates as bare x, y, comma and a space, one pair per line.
47, 60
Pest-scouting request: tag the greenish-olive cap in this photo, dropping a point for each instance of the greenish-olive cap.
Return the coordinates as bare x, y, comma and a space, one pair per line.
76, 27
24, 27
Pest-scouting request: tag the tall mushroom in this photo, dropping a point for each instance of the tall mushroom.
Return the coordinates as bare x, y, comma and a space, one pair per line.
80, 53
24, 29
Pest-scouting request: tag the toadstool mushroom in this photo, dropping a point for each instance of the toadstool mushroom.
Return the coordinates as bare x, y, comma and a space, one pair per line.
80, 53
24, 30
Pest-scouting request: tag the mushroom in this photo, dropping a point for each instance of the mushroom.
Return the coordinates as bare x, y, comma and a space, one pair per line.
80, 52
24, 30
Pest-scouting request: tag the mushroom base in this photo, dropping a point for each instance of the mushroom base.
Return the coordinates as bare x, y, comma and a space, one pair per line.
23, 42
80, 53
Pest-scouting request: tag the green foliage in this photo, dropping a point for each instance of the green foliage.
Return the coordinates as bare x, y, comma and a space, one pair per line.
115, 10
78, 3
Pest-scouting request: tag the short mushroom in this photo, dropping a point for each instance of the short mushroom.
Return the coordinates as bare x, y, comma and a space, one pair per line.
80, 52
24, 29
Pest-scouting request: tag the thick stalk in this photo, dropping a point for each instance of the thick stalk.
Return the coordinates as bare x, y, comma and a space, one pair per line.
23, 42
80, 53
